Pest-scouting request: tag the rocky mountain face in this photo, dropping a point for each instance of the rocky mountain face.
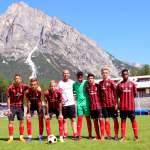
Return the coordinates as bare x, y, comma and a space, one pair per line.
35, 44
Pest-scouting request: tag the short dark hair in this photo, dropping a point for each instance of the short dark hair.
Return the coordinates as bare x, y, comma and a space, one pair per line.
17, 74
124, 70
33, 80
91, 75
79, 73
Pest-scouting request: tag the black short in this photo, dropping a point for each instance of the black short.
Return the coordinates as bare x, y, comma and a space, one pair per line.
19, 111
96, 113
109, 112
52, 112
39, 111
126, 113
69, 111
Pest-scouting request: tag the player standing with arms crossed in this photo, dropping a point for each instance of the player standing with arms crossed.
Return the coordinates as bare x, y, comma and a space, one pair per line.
69, 109
107, 89
15, 96
83, 104
126, 90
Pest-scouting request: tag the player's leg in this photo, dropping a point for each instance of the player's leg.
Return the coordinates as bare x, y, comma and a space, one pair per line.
61, 125
20, 117
11, 131
79, 120
11, 117
102, 125
123, 116
88, 120
72, 116
65, 125
74, 128
114, 115
29, 127
96, 127
41, 125
107, 122
48, 125
131, 115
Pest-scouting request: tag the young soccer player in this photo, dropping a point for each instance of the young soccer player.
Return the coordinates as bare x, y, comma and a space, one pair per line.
83, 104
95, 106
107, 89
126, 90
15, 97
53, 100
34, 103
69, 109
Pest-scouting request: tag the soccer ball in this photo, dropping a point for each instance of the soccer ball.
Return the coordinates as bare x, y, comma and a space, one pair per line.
52, 139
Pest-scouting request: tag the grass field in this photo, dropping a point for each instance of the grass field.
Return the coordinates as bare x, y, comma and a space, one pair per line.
129, 144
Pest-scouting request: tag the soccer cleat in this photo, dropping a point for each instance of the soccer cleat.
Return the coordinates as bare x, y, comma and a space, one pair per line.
135, 138
116, 138
90, 138
61, 139
122, 139
22, 139
29, 139
40, 138
109, 138
102, 139
10, 141
75, 138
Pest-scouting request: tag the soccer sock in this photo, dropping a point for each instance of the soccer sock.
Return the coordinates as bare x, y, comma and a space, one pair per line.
135, 127
102, 127
116, 127
123, 128
107, 128
11, 130
48, 126
96, 126
61, 126
79, 125
41, 125
89, 125
29, 127
21, 129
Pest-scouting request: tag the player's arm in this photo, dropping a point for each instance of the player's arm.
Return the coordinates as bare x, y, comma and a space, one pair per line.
114, 87
28, 103
46, 104
60, 99
8, 99
134, 90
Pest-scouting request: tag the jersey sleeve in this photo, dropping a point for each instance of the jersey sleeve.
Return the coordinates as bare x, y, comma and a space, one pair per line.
114, 88
60, 98
8, 91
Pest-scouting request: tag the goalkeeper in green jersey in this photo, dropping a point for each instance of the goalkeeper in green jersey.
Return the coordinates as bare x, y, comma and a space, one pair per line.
83, 103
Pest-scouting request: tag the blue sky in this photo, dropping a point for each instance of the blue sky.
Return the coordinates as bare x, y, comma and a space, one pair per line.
122, 27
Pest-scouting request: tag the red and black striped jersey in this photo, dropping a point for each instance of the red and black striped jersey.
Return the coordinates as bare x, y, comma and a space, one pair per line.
127, 92
93, 92
107, 91
53, 99
16, 94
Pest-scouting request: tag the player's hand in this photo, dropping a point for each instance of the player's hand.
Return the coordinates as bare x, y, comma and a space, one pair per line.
60, 117
116, 107
8, 112
28, 116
